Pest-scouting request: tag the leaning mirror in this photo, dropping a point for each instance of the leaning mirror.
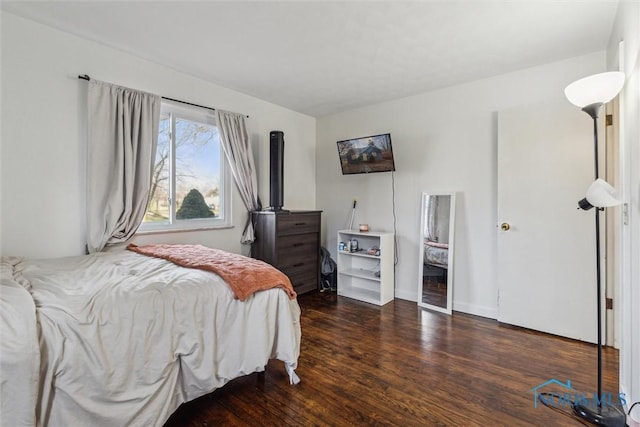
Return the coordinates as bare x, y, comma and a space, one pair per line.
435, 275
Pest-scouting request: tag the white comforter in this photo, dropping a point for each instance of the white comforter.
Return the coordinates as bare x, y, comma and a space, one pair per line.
125, 338
19, 353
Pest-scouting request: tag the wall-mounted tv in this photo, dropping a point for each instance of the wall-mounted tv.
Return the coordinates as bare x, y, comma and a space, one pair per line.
366, 155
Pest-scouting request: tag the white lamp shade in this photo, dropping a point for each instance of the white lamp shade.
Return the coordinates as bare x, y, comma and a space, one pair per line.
602, 195
599, 88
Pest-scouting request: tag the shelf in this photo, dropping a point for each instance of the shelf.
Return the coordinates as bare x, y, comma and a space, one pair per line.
361, 273
359, 253
376, 234
364, 295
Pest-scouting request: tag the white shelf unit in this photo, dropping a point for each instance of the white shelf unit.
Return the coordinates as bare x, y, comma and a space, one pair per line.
357, 276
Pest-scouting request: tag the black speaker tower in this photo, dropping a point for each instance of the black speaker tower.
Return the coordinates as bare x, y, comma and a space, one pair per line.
276, 181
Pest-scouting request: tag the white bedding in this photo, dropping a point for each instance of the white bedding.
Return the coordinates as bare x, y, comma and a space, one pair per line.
19, 354
125, 338
434, 255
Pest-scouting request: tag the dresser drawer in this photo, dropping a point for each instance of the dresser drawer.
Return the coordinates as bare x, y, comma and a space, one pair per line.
296, 244
304, 282
299, 265
297, 224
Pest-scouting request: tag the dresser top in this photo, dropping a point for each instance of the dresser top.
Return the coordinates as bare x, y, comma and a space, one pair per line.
285, 212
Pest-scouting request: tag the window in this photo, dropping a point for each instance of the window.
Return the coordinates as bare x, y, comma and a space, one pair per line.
190, 181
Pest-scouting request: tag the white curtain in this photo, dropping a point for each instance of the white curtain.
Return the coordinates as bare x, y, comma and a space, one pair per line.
236, 146
430, 224
437, 223
123, 134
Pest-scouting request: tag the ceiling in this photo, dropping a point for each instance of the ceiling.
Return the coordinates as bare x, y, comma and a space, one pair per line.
322, 57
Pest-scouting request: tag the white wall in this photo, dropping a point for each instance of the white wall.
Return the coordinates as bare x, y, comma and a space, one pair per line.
627, 29
43, 138
443, 140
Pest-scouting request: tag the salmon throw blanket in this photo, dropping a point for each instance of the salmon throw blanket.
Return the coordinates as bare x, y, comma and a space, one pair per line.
244, 275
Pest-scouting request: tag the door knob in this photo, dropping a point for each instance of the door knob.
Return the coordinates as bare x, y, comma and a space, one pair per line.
505, 226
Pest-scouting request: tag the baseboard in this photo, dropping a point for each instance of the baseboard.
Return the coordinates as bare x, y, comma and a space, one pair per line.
476, 310
408, 296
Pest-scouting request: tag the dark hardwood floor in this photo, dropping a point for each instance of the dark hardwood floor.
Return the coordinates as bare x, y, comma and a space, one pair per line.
399, 365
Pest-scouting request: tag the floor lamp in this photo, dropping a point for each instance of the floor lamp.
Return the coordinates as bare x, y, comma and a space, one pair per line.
590, 94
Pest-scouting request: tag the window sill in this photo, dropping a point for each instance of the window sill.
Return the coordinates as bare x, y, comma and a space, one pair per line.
182, 230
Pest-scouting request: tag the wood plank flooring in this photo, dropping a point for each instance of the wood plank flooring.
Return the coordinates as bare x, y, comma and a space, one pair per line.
398, 365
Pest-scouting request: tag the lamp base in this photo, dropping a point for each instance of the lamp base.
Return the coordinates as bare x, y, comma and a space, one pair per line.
603, 415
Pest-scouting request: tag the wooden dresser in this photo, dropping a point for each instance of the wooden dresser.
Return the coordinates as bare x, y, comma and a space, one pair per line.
290, 241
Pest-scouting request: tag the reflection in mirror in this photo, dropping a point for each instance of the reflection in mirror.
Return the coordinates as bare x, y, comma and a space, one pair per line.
437, 225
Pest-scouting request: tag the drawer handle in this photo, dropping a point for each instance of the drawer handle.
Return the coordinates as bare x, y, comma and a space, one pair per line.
301, 223
295, 245
298, 264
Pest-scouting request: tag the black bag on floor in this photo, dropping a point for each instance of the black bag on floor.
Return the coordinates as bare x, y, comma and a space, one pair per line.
328, 275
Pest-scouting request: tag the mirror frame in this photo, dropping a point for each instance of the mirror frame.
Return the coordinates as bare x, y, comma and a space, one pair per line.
450, 256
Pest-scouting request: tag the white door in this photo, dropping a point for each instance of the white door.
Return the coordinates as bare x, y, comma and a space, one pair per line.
546, 259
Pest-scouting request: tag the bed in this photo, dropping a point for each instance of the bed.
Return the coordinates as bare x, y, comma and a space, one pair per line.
122, 339
436, 254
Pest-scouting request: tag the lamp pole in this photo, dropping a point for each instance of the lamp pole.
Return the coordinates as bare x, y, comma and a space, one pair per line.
593, 110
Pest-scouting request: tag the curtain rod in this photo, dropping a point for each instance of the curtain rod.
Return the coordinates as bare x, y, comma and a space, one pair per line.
87, 78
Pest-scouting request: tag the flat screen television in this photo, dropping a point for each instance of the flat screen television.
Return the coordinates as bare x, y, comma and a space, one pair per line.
366, 155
